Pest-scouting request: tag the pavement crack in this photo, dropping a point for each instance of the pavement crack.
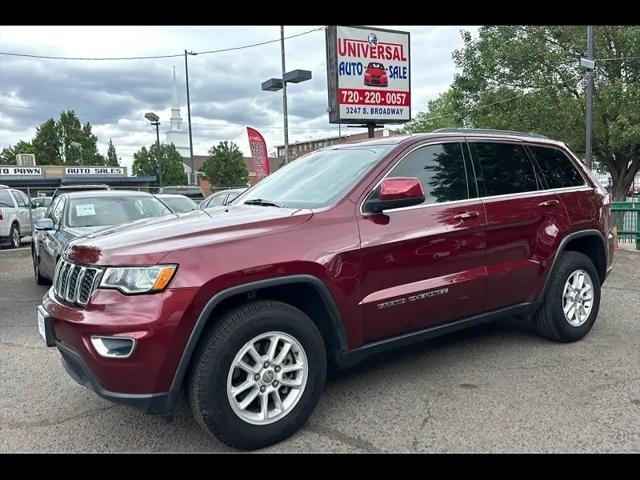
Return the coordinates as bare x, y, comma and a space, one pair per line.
50, 423
339, 436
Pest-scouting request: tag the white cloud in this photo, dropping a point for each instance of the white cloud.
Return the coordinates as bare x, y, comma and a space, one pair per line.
225, 87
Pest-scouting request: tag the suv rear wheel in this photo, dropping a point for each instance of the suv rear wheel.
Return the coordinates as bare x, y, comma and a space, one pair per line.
572, 299
257, 374
14, 236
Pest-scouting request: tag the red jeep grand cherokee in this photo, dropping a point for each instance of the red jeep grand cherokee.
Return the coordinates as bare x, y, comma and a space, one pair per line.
345, 252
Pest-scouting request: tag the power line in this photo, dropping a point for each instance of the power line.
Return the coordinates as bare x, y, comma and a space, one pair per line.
151, 57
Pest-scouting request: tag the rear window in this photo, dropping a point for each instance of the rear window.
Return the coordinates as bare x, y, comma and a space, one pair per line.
556, 167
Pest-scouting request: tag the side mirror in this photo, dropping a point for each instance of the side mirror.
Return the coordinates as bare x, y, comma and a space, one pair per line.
397, 192
44, 224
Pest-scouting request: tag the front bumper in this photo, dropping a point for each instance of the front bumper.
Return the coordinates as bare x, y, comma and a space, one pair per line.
77, 368
160, 324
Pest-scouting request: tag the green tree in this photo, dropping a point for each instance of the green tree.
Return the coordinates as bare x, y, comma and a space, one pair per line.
8, 154
112, 157
441, 113
527, 79
225, 167
145, 162
46, 144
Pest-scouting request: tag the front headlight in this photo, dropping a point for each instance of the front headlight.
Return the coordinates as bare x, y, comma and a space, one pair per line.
138, 279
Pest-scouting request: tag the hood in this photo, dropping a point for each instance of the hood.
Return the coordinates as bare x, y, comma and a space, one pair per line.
147, 241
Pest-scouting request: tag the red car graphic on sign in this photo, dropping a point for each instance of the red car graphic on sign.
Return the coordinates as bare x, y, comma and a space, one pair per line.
375, 75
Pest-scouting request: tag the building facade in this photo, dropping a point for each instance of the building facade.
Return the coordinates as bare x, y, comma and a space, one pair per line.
41, 180
301, 148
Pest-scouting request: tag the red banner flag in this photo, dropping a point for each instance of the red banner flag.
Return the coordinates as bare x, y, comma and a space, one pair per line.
258, 153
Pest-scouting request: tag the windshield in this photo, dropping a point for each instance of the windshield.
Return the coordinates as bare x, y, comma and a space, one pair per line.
104, 211
316, 180
180, 204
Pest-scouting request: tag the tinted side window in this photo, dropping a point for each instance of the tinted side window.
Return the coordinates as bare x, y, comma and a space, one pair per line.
504, 168
5, 199
25, 199
441, 170
556, 167
56, 211
19, 199
231, 198
217, 200
54, 203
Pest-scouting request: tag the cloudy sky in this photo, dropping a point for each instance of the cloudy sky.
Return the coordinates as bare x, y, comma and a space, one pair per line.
224, 87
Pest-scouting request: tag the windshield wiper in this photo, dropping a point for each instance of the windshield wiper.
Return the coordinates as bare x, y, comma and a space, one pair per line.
262, 203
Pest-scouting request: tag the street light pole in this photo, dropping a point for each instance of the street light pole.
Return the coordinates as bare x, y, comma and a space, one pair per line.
186, 71
155, 121
284, 100
158, 156
78, 145
588, 153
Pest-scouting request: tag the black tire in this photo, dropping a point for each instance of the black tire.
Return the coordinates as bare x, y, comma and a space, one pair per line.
550, 320
40, 280
14, 234
207, 382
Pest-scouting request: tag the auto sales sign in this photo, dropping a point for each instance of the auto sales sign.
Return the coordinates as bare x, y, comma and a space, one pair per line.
369, 75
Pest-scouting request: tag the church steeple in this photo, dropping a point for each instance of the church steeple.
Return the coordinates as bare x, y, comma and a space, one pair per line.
176, 134
176, 119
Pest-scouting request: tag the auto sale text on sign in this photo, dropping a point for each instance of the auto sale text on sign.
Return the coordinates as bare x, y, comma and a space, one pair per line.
373, 74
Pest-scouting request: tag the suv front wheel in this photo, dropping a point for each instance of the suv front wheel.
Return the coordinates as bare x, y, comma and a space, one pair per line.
572, 299
257, 374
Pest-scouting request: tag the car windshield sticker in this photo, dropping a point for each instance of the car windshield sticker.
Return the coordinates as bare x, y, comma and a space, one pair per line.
85, 210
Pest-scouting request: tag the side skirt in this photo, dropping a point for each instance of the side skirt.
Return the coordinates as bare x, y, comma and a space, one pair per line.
359, 354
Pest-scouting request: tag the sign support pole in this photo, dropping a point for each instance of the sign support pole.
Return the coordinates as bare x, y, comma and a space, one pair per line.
371, 129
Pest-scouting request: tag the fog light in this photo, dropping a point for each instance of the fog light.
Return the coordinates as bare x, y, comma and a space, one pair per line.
113, 347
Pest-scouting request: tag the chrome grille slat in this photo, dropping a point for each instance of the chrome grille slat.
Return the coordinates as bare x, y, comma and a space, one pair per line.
76, 291
75, 283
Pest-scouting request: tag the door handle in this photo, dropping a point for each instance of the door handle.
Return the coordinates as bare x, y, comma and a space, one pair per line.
549, 203
466, 215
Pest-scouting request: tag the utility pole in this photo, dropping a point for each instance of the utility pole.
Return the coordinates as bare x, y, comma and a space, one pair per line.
186, 72
589, 139
158, 154
284, 100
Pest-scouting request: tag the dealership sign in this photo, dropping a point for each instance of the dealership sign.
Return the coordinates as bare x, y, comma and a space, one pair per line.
369, 75
21, 171
94, 171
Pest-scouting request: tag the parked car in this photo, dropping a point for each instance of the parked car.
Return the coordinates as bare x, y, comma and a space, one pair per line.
388, 242
15, 217
79, 188
72, 215
375, 75
223, 197
191, 191
178, 203
39, 207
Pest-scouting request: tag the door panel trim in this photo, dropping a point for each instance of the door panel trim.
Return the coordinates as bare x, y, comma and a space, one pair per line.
423, 286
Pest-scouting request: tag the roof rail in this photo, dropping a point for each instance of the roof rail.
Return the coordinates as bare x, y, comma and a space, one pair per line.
487, 130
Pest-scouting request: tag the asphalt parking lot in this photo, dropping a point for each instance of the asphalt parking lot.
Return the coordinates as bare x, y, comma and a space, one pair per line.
495, 388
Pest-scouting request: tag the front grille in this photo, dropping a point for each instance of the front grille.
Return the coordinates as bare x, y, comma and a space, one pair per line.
75, 283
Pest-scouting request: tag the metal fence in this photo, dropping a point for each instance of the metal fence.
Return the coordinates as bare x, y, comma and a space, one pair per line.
626, 218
